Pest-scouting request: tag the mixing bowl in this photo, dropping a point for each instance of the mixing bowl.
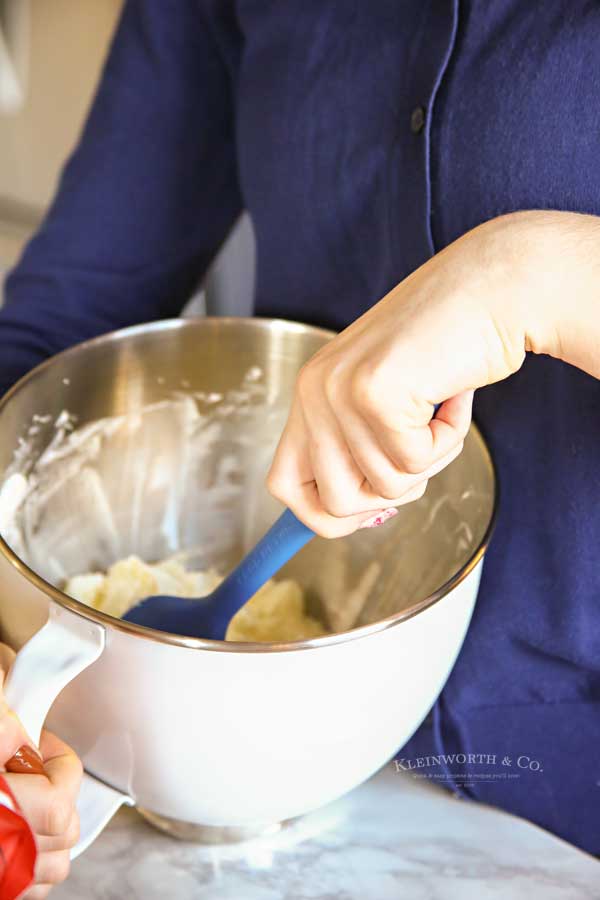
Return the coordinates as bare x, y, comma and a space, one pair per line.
155, 440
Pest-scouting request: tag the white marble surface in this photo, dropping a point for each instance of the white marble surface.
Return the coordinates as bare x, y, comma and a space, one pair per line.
394, 838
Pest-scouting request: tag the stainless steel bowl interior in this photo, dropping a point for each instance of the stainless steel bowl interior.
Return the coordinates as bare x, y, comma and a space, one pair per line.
195, 409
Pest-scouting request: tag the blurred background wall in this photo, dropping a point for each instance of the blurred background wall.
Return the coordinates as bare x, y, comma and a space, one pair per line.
56, 48
51, 54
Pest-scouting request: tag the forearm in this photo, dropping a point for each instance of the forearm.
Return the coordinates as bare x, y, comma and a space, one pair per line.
363, 406
571, 283
551, 296
145, 200
48, 309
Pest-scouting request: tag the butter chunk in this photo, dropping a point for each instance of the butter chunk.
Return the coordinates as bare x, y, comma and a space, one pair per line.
86, 588
274, 613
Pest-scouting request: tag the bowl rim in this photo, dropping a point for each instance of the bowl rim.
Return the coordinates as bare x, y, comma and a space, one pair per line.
162, 637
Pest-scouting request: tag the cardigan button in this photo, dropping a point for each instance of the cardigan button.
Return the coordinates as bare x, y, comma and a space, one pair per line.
417, 119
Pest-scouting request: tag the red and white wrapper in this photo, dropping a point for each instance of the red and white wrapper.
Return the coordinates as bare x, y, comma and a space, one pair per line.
17, 847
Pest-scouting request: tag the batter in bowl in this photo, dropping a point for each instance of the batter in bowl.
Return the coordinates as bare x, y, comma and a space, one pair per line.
275, 613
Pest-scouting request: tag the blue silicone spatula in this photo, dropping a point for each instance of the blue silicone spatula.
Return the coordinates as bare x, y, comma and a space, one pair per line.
208, 617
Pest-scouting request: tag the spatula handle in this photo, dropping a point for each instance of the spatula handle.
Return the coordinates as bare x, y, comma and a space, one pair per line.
282, 541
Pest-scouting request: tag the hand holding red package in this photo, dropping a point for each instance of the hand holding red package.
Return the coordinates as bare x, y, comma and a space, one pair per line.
38, 820
18, 852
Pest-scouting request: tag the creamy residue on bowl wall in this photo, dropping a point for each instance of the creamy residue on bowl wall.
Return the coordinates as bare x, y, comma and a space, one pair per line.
156, 501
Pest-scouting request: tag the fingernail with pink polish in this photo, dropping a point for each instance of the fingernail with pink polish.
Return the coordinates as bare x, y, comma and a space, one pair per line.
380, 518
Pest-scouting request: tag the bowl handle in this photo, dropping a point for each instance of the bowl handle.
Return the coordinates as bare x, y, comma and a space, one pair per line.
97, 803
65, 646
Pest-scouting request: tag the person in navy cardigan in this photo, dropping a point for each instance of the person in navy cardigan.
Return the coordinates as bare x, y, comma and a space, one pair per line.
443, 156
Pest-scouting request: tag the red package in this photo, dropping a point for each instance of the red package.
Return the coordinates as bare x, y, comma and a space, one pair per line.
17, 847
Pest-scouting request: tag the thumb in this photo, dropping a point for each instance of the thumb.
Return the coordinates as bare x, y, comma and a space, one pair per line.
18, 752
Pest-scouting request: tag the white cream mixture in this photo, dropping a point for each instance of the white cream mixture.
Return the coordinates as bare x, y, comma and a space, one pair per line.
275, 613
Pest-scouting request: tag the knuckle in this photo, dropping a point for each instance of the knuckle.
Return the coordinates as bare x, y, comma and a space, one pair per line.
77, 766
39, 892
457, 450
72, 833
56, 867
463, 428
338, 507
328, 529
330, 386
375, 404
388, 493
415, 465
62, 868
365, 392
415, 494
305, 380
448, 458
280, 487
387, 488
333, 377
412, 461
420, 490
58, 815
274, 484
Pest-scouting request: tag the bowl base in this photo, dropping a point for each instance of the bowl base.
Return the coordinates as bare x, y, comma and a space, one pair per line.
208, 834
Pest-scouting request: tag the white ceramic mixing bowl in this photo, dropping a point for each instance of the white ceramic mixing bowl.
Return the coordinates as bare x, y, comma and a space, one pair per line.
191, 731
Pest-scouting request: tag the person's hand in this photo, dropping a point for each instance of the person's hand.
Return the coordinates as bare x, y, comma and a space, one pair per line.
46, 800
361, 438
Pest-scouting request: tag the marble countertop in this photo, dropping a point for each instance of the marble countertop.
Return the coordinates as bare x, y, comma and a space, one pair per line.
394, 837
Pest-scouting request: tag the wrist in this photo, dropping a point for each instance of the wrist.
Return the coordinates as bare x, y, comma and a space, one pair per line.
544, 265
